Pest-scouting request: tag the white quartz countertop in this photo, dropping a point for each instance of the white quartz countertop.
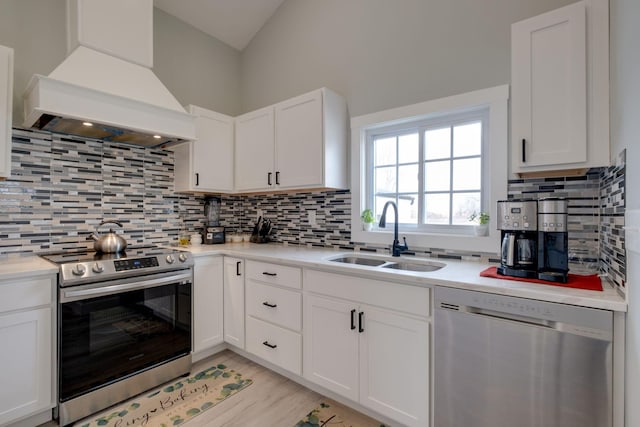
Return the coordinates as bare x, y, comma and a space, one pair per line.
456, 274
16, 267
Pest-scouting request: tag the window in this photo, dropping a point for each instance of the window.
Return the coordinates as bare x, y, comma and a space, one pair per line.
440, 161
432, 169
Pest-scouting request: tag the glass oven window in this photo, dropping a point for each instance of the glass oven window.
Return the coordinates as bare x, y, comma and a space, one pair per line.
107, 338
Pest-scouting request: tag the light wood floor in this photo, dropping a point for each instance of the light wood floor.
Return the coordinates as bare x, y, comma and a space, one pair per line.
271, 401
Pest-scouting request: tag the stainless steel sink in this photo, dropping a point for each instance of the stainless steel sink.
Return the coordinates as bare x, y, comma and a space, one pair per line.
391, 263
359, 260
413, 266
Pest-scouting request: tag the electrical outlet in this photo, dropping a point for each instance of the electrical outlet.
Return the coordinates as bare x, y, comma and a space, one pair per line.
311, 216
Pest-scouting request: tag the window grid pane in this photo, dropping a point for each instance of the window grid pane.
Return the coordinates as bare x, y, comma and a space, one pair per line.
447, 189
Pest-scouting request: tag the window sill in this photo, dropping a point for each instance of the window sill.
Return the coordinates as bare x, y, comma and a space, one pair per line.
470, 243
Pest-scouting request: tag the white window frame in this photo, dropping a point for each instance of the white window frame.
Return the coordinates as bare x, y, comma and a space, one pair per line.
495, 161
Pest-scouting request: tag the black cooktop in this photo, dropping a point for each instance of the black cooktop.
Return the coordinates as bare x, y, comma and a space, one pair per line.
88, 256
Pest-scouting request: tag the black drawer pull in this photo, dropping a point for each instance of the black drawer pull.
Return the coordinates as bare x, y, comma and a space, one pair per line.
266, 273
269, 345
269, 305
524, 150
238, 268
361, 322
353, 319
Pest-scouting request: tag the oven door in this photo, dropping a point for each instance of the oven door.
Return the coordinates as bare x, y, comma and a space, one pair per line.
111, 330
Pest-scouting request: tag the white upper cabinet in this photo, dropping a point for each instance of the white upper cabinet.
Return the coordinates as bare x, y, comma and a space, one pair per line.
254, 151
300, 143
6, 109
121, 28
206, 164
559, 90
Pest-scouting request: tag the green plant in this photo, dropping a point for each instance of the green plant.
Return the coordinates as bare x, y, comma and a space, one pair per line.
367, 216
480, 218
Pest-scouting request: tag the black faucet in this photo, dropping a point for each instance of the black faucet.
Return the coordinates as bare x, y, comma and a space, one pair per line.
396, 248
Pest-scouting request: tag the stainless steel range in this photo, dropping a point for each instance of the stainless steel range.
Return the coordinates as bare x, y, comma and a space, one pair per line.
124, 325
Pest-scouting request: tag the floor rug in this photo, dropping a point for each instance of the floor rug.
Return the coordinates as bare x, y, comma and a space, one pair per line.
174, 403
335, 415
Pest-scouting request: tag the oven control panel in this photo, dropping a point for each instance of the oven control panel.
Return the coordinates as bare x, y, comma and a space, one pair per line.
84, 271
135, 263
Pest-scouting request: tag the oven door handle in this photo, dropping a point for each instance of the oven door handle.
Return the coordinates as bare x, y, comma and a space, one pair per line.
69, 295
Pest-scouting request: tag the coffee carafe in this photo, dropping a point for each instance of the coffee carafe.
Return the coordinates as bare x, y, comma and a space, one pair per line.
517, 220
213, 232
553, 246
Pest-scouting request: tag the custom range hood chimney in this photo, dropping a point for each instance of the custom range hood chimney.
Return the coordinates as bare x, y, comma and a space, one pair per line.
105, 88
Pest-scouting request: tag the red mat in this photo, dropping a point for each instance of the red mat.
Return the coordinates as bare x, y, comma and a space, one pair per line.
590, 282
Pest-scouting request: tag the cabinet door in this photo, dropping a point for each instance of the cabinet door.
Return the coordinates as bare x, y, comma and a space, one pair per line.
234, 301
394, 365
299, 142
26, 365
206, 164
212, 151
330, 355
549, 84
207, 303
254, 151
6, 109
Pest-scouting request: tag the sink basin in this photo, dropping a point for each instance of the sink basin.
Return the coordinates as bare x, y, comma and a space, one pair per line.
388, 262
359, 260
413, 266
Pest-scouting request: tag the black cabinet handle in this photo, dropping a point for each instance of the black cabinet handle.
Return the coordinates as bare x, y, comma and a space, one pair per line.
266, 273
524, 150
269, 305
353, 319
238, 268
361, 322
277, 177
269, 345
269, 178
197, 179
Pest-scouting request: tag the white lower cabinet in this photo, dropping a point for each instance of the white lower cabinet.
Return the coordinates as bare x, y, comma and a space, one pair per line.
274, 318
207, 304
376, 356
274, 344
234, 301
27, 369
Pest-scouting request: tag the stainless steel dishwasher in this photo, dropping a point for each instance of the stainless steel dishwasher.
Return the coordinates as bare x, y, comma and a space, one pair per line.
502, 361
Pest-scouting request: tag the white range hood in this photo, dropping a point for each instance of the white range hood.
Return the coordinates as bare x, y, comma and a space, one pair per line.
105, 88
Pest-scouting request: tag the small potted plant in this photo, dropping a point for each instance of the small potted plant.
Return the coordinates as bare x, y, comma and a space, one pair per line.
481, 221
367, 219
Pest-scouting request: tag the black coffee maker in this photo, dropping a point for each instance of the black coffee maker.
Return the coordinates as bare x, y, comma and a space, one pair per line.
213, 233
553, 241
517, 220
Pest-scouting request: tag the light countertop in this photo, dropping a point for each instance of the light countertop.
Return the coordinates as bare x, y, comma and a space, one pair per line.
21, 266
457, 274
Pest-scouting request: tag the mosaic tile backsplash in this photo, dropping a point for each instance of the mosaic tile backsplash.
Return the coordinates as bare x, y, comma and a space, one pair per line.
62, 188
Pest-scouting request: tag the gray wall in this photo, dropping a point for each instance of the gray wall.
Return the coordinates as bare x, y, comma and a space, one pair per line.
382, 54
625, 133
196, 68
35, 29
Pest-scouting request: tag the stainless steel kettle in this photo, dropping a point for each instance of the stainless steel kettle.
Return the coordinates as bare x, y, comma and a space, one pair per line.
110, 242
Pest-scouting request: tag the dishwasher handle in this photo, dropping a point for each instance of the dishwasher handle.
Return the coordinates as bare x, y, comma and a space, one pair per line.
514, 317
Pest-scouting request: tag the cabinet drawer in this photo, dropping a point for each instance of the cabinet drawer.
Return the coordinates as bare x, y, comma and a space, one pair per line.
274, 344
19, 294
276, 305
274, 274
